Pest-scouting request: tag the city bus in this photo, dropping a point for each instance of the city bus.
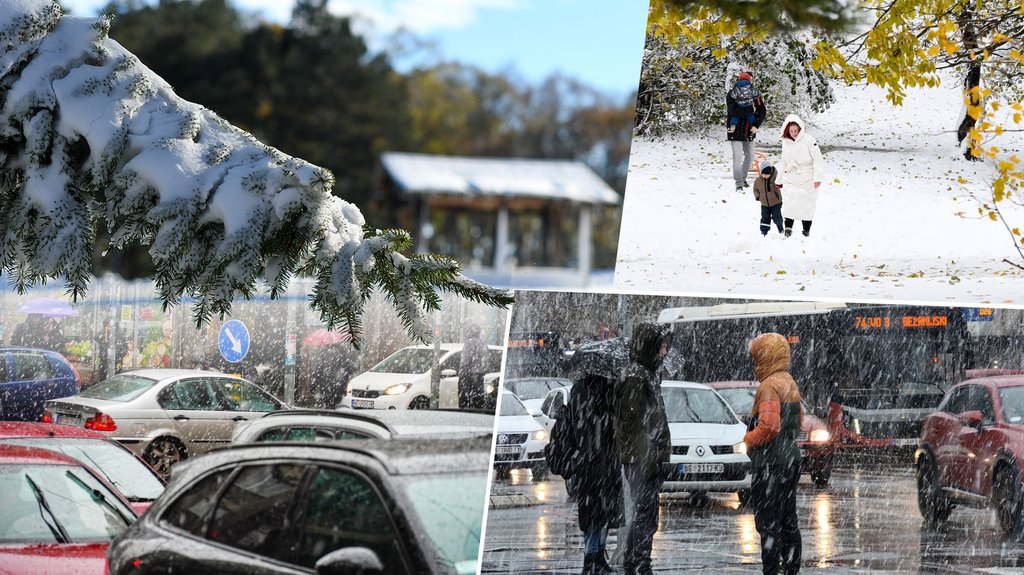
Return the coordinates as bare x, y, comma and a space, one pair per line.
873, 372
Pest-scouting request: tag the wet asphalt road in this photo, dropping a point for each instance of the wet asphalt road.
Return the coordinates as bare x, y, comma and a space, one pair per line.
866, 521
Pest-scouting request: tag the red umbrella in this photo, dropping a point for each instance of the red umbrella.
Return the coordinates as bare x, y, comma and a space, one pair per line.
324, 336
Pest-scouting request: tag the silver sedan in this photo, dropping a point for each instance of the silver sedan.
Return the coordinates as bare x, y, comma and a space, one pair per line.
164, 415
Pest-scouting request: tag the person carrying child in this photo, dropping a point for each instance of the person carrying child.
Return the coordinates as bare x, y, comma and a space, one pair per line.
769, 194
745, 111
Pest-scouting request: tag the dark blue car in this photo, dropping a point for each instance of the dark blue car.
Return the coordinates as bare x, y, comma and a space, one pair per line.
31, 376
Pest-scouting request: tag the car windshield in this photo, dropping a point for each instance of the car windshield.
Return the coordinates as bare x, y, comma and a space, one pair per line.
694, 405
530, 388
510, 405
1012, 399
121, 387
57, 504
451, 508
409, 360
740, 399
122, 469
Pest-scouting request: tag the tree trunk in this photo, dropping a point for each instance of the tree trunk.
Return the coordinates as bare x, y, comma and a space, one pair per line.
972, 78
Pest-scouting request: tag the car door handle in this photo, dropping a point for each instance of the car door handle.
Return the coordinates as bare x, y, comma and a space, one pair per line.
239, 418
180, 418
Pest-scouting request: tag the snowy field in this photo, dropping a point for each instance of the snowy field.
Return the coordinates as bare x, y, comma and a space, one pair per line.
886, 228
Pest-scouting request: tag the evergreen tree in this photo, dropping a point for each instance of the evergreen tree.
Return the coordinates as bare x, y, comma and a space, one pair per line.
89, 136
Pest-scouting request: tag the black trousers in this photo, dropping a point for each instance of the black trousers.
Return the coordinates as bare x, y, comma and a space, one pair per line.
644, 484
773, 495
768, 215
806, 224
471, 391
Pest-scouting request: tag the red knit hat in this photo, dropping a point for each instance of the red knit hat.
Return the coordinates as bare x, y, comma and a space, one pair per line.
746, 76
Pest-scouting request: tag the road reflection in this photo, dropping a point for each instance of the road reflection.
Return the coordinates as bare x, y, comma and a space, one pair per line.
865, 521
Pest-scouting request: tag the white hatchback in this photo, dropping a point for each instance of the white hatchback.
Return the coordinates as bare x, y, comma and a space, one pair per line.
402, 379
707, 442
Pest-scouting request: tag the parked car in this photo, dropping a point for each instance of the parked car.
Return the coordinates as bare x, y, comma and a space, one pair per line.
708, 453
58, 515
532, 390
520, 441
131, 476
325, 425
165, 415
402, 379
397, 506
30, 377
817, 446
555, 399
971, 452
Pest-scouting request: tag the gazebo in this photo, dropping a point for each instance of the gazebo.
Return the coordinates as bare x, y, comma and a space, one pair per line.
510, 221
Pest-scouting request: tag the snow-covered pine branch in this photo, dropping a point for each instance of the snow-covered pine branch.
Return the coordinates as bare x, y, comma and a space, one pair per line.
89, 135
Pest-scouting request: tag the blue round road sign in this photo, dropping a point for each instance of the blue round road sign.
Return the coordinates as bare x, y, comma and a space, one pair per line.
233, 341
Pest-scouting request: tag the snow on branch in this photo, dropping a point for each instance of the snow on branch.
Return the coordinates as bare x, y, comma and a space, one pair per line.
89, 135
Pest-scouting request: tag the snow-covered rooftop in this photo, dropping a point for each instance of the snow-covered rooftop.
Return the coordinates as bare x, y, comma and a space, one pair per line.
509, 177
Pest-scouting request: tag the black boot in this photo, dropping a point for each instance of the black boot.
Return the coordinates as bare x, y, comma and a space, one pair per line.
789, 232
601, 566
589, 564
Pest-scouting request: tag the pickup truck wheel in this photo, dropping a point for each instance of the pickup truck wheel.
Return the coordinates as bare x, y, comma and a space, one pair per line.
1006, 498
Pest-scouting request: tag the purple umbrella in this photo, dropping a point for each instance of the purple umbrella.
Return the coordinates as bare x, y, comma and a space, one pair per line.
48, 306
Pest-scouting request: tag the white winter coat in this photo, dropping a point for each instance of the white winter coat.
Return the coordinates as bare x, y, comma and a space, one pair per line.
802, 164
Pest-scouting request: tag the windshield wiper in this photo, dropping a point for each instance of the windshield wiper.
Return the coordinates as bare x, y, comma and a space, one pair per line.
57, 529
98, 496
686, 402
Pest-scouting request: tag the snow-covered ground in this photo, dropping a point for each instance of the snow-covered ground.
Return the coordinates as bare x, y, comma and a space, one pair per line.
886, 228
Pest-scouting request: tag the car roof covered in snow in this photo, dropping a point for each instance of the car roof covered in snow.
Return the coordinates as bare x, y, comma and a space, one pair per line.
684, 384
397, 422
428, 174
397, 456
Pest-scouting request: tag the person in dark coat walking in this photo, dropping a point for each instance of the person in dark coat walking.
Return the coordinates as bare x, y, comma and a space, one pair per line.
745, 110
774, 455
643, 439
595, 468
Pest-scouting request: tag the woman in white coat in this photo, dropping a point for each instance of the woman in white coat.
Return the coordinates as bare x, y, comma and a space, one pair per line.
800, 172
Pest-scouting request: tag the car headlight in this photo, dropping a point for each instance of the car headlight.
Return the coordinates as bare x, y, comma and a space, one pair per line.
740, 448
820, 436
397, 389
539, 435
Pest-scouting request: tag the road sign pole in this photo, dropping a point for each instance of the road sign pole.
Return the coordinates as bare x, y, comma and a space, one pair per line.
289, 366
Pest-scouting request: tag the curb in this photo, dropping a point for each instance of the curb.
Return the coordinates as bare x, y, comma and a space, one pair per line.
512, 501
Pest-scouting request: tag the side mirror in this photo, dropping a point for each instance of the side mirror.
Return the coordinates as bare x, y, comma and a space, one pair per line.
560, 412
350, 561
971, 418
449, 373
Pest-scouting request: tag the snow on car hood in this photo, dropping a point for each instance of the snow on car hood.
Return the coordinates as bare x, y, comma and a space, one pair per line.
730, 433
379, 381
517, 424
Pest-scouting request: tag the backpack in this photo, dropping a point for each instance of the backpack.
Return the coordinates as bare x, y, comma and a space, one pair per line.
560, 450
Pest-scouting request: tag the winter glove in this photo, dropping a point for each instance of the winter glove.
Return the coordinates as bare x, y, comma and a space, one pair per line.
731, 130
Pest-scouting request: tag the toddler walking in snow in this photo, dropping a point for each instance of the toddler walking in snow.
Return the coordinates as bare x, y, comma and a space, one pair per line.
769, 194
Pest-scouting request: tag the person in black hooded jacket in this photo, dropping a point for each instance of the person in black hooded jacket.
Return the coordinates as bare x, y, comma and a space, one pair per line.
642, 437
595, 468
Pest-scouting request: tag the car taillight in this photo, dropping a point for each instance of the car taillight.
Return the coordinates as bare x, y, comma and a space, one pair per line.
46, 417
101, 422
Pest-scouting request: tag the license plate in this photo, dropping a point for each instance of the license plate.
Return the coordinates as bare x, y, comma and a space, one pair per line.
362, 403
701, 468
68, 420
903, 442
506, 449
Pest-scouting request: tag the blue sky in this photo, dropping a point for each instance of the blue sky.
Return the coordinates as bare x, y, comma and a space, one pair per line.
597, 41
